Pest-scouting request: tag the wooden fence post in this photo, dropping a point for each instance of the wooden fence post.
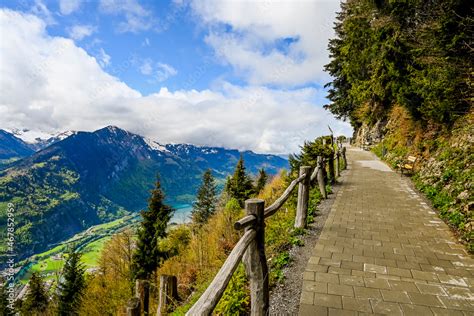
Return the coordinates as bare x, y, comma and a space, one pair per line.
255, 260
133, 307
338, 166
320, 177
142, 292
344, 158
332, 174
303, 198
168, 293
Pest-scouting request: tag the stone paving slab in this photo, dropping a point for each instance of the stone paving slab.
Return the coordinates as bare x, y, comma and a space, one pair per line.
384, 251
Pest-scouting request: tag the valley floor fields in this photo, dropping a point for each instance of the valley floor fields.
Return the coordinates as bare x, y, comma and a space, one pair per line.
90, 242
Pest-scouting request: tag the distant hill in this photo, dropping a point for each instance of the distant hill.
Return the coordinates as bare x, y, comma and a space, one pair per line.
13, 147
88, 178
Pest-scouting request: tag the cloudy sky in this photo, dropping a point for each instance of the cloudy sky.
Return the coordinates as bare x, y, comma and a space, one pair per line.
239, 74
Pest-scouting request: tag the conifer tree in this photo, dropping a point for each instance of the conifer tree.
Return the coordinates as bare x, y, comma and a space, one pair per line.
36, 299
240, 186
261, 181
4, 308
72, 285
205, 205
147, 256
417, 54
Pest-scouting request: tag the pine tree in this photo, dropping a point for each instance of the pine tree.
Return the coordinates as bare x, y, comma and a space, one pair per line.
36, 299
417, 54
4, 308
261, 181
147, 256
205, 206
71, 285
240, 186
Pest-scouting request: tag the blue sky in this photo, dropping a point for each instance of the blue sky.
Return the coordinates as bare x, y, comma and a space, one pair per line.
172, 38
227, 73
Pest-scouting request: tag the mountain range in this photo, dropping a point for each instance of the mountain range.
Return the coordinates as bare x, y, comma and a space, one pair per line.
78, 179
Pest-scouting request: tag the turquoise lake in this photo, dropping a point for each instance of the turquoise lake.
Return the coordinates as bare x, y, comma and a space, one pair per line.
182, 212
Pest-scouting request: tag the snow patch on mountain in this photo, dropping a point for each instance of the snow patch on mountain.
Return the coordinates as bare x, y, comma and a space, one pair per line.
154, 145
35, 137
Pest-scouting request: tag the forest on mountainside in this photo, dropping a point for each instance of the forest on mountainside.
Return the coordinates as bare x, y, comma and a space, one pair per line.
402, 75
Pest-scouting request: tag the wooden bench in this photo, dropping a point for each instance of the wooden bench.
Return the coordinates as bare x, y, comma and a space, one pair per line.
408, 165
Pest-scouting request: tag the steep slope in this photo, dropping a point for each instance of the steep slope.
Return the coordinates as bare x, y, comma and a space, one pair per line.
90, 178
12, 146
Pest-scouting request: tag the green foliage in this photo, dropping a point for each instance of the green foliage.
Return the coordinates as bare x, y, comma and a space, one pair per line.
4, 308
261, 180
295, 241
415, 53
205, 205
235, 300
239, 186
177, 240
72, 285
446, 206
198, 291
36, 300
148, 256
233, 206
314, 199
309, 153
276, 268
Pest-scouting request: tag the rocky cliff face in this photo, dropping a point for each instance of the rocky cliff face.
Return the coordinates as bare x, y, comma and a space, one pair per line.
370, 135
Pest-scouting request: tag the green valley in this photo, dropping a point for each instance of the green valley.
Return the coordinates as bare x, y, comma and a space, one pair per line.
89, 242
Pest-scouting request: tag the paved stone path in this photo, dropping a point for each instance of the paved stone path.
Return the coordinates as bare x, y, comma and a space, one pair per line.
385, 251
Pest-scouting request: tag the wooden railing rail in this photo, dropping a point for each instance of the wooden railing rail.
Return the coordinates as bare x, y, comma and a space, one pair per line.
208, 301
282, 199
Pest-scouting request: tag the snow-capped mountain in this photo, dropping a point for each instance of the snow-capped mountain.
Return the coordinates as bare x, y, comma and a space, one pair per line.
38, 140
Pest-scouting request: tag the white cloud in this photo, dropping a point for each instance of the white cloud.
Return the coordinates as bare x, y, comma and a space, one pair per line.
164, 71
283, 43
78, 32
102, 58
41, 10
136, 17
146, 67
67, 7
50, 84
159, 71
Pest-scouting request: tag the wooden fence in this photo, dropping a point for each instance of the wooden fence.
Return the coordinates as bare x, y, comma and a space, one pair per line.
250, 249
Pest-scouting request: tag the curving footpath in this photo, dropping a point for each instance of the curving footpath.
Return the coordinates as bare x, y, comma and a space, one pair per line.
383, 250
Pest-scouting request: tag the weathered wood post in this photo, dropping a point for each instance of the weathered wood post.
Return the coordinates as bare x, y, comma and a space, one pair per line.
255, 260
332, 175
320, 177
133, 307
344, 158
142, 292
338, 166
168, 293
303, 198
